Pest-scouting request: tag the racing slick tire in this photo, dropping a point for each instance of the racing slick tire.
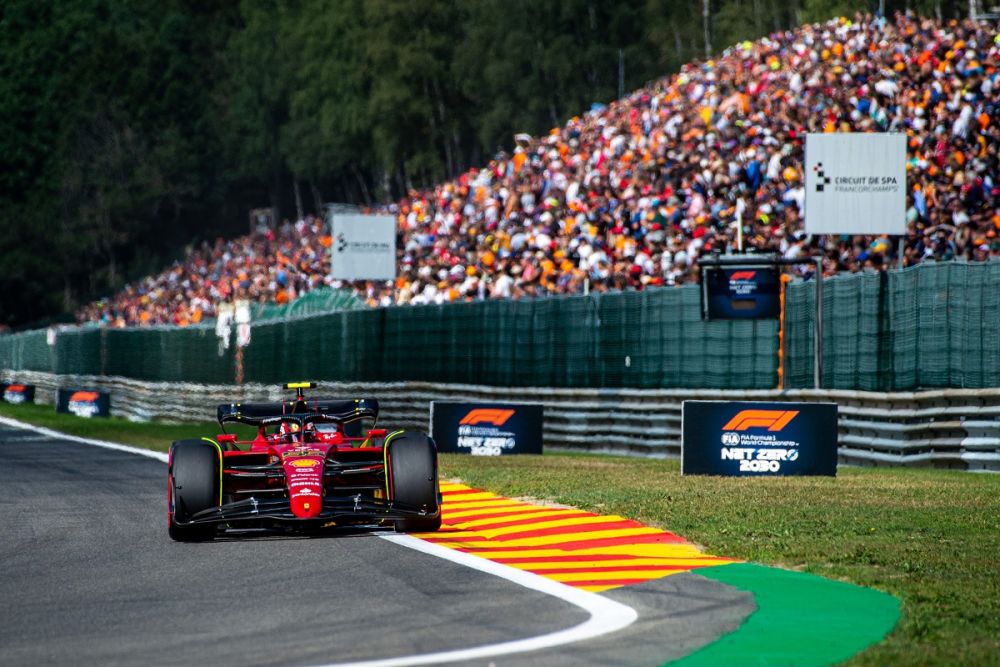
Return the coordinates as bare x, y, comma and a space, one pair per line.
412, 478
193, 484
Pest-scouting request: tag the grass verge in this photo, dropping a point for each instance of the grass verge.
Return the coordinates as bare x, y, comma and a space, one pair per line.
929, 537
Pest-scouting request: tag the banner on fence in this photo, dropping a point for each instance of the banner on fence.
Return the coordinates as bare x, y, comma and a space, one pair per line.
737, 438
84, 402
487, 429
19, 393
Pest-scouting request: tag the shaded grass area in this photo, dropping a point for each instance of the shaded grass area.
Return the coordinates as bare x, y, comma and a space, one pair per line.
929, 537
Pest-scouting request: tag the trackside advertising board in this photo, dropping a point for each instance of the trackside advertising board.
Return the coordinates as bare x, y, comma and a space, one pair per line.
750, 292
363, 247
84, 402
751, 439
19, 393
487, 429
855, 183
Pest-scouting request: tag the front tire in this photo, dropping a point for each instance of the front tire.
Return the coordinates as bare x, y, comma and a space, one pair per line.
412, 478
194, 483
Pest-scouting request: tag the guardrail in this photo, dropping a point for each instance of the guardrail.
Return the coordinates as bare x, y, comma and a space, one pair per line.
950, 428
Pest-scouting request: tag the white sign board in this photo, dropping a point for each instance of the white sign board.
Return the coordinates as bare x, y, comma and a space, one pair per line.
363, 248
855, 184
243, 334
224, 325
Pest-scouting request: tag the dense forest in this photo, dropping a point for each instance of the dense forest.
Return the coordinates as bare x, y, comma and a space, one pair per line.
129, 130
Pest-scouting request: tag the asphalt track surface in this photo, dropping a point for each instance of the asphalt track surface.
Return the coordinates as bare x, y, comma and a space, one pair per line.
89, 577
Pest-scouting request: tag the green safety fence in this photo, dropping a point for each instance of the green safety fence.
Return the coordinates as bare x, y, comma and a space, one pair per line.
334, 346
168, 354
82, 352
648, 339
320, 300
928, 326
945, 326
28, 351
923, 327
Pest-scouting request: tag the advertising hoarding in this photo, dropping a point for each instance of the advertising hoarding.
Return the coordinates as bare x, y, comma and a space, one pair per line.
19, 393
751, 292
740, 438
84, 402
487, 429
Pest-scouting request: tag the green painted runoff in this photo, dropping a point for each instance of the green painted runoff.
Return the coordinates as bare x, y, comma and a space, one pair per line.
801, 620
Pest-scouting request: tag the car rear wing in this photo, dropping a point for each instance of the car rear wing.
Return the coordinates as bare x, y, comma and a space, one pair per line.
327, 409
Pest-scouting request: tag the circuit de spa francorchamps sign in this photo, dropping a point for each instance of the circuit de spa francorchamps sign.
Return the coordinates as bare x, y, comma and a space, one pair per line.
487, 429
758, 439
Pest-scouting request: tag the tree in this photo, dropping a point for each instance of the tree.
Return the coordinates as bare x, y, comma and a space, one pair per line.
260, 71
327, 137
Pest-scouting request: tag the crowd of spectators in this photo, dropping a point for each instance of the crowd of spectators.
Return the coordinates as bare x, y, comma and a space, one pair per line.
271, 266
631, 194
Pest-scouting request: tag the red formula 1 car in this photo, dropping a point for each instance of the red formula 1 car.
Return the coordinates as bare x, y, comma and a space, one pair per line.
311, 466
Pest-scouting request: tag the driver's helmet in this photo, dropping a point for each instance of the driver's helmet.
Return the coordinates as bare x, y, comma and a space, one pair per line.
287, 429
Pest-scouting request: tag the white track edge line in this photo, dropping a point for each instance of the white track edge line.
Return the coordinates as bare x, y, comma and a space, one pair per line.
159, 456
606, 615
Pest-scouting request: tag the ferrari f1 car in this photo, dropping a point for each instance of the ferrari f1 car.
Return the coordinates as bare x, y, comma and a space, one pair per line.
311, 466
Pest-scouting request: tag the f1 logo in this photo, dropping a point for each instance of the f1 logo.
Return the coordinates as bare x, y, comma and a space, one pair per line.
493, 416
772, 420
742, 275
83, 396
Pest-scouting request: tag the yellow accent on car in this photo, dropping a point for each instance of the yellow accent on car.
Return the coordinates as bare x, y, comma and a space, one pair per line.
385, 459
219, 448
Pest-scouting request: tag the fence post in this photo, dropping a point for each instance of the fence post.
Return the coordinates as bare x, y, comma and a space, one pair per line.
104, 351
885, 381
818, 337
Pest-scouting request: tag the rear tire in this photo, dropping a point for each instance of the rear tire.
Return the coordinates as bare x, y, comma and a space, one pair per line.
412, 470
194, 480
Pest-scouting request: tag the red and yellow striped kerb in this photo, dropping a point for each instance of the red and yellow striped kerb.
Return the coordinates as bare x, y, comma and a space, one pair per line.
571, 546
